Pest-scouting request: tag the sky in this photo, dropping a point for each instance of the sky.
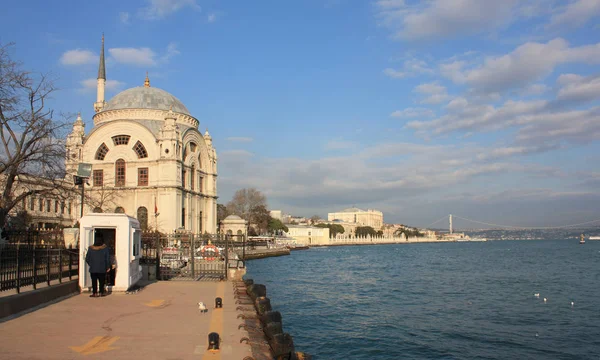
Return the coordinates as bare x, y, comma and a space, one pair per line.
487, 110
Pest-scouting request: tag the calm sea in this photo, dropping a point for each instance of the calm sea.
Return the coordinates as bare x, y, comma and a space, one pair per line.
439, 301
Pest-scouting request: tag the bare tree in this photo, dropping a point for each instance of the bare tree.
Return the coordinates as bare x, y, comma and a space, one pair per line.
244, 201
314, 219
32, 156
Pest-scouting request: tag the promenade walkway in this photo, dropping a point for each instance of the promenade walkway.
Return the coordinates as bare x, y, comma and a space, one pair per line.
161, 321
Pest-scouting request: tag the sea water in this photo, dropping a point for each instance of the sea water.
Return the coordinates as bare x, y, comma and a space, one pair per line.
464, 300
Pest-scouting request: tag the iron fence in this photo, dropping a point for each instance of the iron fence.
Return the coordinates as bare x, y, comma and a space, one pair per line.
186, 256
26, 265
43, 237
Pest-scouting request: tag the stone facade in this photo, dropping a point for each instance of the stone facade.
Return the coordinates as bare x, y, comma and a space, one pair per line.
372, 218
234, 225
308, 235
149, 160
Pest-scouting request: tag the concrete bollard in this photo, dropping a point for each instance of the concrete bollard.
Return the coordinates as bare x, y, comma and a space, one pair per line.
282, 346
270, 316
272, 329
262, 305
256, 290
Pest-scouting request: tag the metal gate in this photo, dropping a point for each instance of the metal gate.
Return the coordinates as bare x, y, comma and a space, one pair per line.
193, 257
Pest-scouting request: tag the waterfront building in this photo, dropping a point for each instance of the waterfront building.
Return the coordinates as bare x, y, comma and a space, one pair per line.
276, 214
308, 235
372, 218
234, 225
148, 159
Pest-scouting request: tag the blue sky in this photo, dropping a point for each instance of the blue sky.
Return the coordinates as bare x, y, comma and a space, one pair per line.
485, 109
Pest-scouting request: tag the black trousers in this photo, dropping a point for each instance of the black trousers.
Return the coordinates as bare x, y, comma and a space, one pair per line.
95, 278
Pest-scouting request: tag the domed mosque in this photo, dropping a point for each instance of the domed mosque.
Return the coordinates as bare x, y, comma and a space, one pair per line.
148, 159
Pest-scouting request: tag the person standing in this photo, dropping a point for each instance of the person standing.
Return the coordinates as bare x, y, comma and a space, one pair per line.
98, 258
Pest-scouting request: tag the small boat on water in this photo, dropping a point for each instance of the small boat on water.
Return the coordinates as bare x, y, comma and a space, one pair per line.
594, 238
582, 239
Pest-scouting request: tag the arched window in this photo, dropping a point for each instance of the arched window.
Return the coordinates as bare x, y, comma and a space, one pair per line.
193, 146
119, 210
97, 210
239, 232
101, 152
121, 139
142, 216
140, 150
120, 172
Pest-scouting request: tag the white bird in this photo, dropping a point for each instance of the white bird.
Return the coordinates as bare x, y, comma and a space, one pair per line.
537, 295
202, 307
545, 300
572, 303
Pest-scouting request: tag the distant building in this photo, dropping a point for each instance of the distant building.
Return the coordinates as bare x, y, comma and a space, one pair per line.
372, 218
276, 214
234, 225
308, 235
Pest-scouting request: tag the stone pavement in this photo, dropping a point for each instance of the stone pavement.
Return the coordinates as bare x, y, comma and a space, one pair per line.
161, 321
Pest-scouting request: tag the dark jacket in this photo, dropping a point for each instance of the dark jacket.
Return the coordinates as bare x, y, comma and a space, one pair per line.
98, 258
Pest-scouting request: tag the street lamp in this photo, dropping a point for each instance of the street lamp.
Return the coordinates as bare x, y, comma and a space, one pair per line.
83, 173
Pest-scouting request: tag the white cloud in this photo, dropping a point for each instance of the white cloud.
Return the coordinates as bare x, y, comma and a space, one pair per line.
577, 13
78, 57
413, 112
134, 56
89, 85
390, 4
527, 63
158, 9
227, 155
411, 67
239, 139
340, 145
395, 74
578, 88
436, 93
211, 17
170, 53
444, 18
124, 17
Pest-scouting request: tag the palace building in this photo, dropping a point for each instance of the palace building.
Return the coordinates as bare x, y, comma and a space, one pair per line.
358, 217
148, 159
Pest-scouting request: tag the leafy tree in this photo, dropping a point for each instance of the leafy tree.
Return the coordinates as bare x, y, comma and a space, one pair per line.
32, 156
334, 229
276, 226
365, 231
408, 232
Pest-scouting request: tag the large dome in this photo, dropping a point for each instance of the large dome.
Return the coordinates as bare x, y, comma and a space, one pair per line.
146, 98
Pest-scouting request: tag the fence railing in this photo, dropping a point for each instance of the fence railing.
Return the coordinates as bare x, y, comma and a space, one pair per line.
22, 266
181, 255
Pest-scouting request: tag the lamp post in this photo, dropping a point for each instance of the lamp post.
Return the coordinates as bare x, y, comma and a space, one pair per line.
83, 173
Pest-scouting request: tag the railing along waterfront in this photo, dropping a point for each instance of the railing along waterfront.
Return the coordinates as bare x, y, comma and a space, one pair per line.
29, 265
187, 256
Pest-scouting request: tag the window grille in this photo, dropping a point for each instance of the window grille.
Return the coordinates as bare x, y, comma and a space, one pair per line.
101, 152
98, 177
140, 150
142, 176
120, 172
120, 139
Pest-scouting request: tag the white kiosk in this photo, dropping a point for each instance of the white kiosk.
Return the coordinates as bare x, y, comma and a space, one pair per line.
122, 234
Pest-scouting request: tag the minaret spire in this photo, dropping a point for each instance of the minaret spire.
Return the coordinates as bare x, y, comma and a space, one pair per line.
102, 68
99, 104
